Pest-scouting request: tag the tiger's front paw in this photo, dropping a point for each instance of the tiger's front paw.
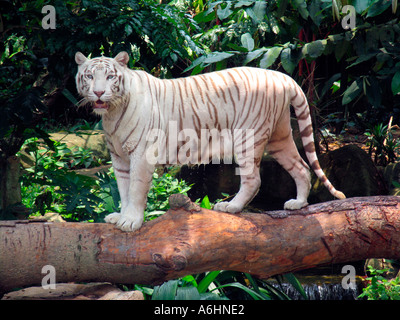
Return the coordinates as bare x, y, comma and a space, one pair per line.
129, 223
112, 218
227, 207
295, 204
125, 222
131, 218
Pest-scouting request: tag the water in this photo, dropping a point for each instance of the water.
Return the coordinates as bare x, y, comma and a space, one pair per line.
321, 292
320, 288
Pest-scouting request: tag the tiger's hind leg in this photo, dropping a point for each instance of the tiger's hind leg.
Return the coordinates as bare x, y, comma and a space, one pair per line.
283, 149
249, 184
250, 181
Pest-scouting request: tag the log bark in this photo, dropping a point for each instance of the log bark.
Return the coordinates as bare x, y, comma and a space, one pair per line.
190, 240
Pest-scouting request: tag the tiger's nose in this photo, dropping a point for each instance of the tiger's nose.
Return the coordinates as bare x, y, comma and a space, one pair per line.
98, 93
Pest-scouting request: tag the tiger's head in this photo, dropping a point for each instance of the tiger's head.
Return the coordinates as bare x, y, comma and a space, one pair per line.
100, 81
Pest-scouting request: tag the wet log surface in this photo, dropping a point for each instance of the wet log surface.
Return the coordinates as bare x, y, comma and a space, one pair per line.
190, 240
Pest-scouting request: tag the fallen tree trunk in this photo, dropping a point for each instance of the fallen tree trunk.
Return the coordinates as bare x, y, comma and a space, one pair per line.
190, 240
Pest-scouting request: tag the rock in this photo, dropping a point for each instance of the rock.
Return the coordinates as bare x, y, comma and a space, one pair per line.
123, 295
351, 170
93, 140
391, 266
391, 174
53, 217
73, 291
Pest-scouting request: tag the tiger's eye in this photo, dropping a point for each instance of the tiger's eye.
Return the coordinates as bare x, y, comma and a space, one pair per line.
89, 76
110, 77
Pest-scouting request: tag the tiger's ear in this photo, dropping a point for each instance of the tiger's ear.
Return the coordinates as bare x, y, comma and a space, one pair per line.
122, 58
80, 58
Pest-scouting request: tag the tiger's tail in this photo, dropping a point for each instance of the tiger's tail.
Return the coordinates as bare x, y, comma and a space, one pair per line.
300, 105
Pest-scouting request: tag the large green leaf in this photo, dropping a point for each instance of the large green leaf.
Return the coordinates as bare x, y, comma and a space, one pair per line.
225, 12
314, 49
187, 293
204, 16
341, 48
217, 57
205, 283
287, 60
396, 83
252, 293
167, 291
316, 10
352, 92
196, 64
363, 58
247, 41
270, 57
205, 203
200, 63
372, 90
301, 6
290, 277
257, 12
378, 7
254, 55
361, 5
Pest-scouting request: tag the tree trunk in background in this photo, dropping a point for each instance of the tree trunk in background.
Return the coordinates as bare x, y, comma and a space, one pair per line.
10, 187
190, 240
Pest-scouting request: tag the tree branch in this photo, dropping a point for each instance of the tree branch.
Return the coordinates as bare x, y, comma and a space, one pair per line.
190, 240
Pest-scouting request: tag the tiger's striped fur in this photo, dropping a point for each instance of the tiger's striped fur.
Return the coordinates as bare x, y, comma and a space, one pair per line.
133, 104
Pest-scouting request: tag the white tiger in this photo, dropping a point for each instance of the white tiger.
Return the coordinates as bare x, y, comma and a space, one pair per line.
133, 103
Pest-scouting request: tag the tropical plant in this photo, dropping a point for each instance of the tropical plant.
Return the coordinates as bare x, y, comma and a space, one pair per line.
380, 288
50, 184
385, 146
292, 35
161, 189
220, 285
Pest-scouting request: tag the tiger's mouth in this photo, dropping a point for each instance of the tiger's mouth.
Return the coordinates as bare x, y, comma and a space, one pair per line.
100, 105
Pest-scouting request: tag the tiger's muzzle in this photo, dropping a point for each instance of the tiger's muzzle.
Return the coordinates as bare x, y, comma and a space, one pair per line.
98, 104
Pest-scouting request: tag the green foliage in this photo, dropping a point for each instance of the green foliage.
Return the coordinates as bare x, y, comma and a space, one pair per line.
219, 285
156, 33
205, 203
289, 35
186, 289
108, 191
51, 185
380, 288
385, 146
160, 191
